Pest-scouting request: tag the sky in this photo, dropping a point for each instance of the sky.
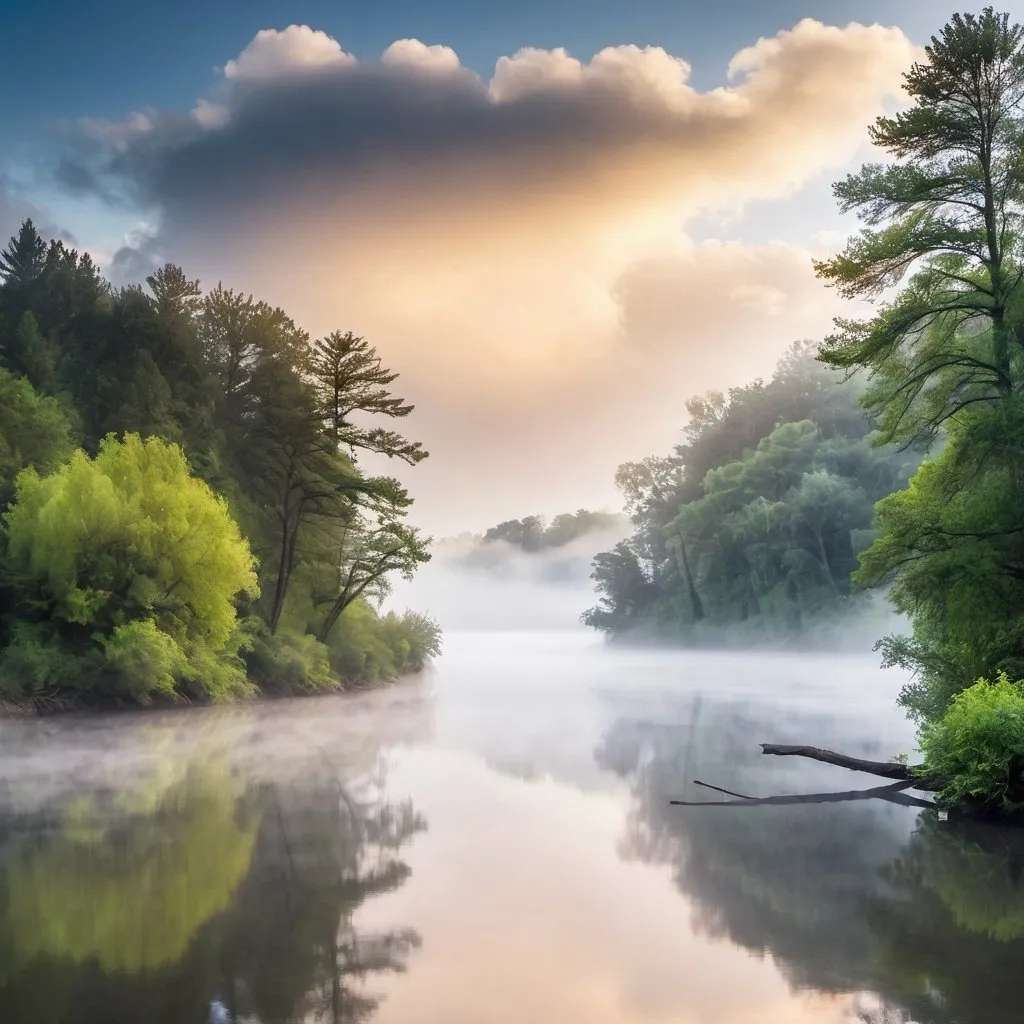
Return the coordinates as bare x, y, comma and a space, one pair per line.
556, 220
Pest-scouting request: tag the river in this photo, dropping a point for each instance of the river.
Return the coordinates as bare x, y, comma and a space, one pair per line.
493, 844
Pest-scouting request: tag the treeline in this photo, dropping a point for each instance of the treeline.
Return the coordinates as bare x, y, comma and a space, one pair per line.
183, 511
533, 533
752, 526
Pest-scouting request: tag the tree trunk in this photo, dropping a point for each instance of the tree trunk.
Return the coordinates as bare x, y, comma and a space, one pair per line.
332, 617
825, 562
284, 571
885, 769
695, 602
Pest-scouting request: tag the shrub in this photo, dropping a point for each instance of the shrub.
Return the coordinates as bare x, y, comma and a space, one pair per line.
122, 573
977, 747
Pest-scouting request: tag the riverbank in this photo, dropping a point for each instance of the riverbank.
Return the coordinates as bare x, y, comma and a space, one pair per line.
57, 705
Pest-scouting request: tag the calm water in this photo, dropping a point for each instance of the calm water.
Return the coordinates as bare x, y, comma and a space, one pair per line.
493, 844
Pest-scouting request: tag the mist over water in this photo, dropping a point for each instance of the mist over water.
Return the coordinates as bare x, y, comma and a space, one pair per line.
493, 842
469, 585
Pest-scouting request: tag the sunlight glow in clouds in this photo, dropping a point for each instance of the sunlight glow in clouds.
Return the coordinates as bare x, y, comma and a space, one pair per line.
512, 247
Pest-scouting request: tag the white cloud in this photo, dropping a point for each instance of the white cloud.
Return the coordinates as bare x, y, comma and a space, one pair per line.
273, 53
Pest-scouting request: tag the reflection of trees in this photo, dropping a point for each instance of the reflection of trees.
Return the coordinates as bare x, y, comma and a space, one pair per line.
291, 948
975, 871
122, 893
845, 896
207, 893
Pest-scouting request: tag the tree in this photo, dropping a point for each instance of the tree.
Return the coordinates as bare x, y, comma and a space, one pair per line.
263, 419
123, 570
349, 379
624, 589
945, 356
372, 547
756, 517
36, 354
23, 259
34, 431
949, 212
951, 549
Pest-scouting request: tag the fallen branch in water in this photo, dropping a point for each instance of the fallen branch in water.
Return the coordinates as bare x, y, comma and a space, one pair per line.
893, 793
885, 769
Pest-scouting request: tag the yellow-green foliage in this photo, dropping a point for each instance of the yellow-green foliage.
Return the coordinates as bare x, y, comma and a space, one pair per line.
132, 902
125, 568
973, 746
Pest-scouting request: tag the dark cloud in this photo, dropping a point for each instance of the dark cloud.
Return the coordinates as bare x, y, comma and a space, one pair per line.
131, 265
294, 113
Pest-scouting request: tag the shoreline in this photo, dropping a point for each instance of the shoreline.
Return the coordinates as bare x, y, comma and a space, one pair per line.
13, 711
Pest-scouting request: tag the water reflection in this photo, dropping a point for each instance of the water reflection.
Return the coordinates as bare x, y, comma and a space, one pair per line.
851, 896
219, 879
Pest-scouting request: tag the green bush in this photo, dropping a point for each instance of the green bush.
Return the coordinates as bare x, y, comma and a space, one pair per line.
289, 661
121, 575
977, 747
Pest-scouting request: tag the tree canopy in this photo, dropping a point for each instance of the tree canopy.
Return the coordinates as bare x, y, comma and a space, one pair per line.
755, 520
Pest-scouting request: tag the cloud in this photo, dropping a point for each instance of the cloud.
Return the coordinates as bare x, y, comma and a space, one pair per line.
295, 110
514, 245
15, 210
139, 257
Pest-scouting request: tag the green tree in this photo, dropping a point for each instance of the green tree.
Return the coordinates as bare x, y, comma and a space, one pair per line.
23, 259
349, 380
34, 432
945, 356
948, 209
371, 550
951, 549
123, 571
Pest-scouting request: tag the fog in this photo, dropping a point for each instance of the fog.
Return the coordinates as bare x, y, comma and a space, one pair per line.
471, 585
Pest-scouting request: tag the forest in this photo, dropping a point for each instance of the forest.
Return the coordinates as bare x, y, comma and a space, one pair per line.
750, 529
183, 515
785, 500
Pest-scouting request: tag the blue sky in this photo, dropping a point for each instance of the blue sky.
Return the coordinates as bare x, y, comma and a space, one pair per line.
68, 58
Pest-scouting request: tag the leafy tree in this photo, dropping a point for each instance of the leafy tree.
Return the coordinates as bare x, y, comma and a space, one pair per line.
371, 551
756, 518
123, 572
945, 356
34, 432
948, 209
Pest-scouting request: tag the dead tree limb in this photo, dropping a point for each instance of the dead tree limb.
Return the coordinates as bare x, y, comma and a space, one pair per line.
893, 793
885, 769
